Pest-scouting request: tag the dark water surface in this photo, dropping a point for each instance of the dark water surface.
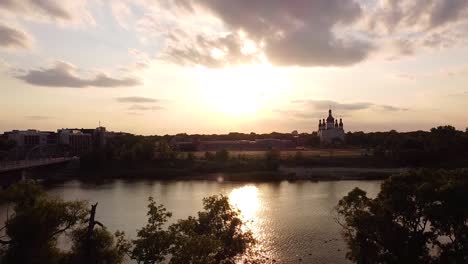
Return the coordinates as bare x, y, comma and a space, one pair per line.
291, 220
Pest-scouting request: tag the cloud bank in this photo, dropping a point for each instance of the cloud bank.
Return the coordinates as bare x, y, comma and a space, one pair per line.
306, 33
288, 33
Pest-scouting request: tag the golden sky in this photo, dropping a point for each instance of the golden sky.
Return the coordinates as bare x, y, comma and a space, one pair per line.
217, 66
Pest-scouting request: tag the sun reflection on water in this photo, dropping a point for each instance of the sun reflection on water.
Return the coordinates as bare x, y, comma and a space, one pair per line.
248, 200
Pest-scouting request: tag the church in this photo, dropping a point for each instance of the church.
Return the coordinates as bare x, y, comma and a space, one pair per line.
331, 132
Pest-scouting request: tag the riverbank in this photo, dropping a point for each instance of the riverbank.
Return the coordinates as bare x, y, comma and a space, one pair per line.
281, 174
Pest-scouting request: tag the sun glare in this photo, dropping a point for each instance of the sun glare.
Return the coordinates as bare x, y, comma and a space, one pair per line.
240, 91
246, 200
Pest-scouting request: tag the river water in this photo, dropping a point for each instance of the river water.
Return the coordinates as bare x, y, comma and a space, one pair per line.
294, 221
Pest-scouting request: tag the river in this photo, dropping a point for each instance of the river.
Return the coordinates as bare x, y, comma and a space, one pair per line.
292, 220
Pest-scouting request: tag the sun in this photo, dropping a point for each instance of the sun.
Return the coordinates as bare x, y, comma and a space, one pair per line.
239, 91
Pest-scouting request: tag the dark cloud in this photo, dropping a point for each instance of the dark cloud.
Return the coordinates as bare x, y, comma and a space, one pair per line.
63, 75
300, 32
137, 107
13, 38
137, 99
445, 11
37, 117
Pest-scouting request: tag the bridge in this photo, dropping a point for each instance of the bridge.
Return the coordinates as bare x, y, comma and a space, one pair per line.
28, 164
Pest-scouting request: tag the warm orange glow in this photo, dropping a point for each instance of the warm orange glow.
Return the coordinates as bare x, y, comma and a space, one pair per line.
239, 91
247, 201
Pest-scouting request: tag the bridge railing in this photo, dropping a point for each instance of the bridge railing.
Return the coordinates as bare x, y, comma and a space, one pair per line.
31, 163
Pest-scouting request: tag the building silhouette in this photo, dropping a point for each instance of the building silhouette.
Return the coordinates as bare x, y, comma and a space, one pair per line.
331, 131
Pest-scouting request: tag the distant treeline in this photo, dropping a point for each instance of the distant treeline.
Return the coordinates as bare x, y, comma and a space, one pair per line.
443, 146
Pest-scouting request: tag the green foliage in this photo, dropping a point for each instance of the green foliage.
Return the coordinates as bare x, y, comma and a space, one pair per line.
418, 217
215, 236
152, 244
443, 146
36, 223
104, 248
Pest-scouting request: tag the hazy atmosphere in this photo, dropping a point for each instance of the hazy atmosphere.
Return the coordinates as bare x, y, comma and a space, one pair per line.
206, 66
233, 131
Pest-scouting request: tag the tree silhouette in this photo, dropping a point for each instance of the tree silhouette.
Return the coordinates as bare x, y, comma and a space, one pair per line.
418, 217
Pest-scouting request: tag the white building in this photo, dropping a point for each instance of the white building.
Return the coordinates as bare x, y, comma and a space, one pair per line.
32, 138
331, 132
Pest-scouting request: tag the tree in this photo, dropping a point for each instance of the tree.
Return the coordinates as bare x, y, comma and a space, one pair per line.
97, 245
152, 243
102, 248
215, 236
36, 223
418, 217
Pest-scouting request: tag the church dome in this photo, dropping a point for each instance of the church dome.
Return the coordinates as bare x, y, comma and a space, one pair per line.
330, 118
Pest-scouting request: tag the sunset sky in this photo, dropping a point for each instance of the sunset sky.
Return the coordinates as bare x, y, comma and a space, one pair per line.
216, 66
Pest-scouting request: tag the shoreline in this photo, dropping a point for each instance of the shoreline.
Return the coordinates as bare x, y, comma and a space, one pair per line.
282, 174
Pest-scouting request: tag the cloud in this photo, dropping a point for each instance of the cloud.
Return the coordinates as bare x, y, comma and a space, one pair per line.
306, 33
62, 12
137, 99
417, 14
302, 33
391, 108
64, 75
137, 107
14, 38
329, 104
415, 25
37, 117
211, 52
447, 11
141, 104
